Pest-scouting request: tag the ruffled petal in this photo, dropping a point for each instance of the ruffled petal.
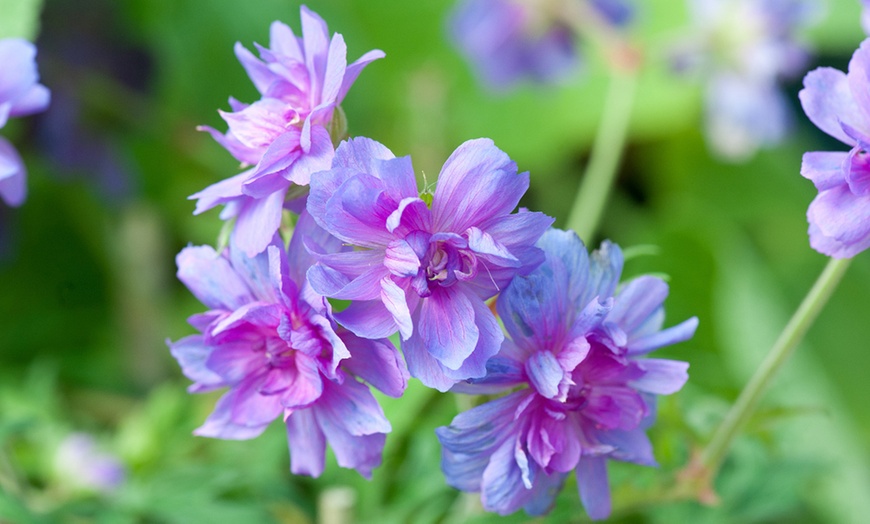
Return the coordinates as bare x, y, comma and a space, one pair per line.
478, 185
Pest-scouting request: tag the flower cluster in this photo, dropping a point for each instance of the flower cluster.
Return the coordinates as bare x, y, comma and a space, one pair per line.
273, 342
508, 40
744, 49
20, 94
420, 264
838, 104
577, 352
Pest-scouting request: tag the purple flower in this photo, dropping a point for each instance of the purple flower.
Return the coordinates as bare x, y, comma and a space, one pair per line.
839, 105
427, 262
865, 16
20, 95
284, 135
271, 340
507, 40
589, 390
79, 463
745, 48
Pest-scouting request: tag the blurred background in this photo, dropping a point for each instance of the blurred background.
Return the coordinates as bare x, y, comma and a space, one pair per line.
95, 420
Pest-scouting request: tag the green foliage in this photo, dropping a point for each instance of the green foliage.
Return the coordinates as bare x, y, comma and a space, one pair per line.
89, 293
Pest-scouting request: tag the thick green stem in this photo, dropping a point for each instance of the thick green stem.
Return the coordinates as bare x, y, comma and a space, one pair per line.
713, 455
606, 155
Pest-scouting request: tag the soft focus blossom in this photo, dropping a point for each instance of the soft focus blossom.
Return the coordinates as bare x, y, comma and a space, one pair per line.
81, 465
744, 49
508, 40
427, 262
838, 103
577, 349
272, 341
285, 135
865, 16
20, 94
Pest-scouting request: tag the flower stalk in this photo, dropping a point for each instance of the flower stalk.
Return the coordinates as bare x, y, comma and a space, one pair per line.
606, 156
712, 456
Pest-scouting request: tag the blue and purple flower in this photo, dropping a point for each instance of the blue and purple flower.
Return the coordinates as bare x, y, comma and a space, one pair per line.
272, 341
21, 94
577, 350
425, 263
745, 49
508, 40
285, 135
838, 103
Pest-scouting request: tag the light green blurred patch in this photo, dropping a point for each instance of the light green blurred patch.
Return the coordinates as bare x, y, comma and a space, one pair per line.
20, 18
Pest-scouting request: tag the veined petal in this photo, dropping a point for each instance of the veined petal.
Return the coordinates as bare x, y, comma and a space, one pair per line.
447, 326
477, 185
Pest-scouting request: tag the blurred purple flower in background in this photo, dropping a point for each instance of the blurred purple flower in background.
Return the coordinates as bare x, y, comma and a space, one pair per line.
744, 49
426, 266
271, 340
839, 104
580, 349
21, 94
509, 40
286, 134
865, 16
81, 465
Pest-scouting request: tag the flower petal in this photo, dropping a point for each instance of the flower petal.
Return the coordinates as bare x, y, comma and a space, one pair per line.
593, 487
478, 185
307, 443
827, 99
212, 279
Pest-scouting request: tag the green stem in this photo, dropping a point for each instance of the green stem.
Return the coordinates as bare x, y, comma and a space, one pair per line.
606, 155
713, 455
